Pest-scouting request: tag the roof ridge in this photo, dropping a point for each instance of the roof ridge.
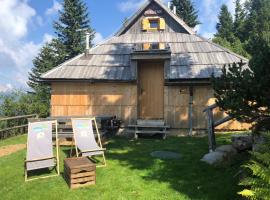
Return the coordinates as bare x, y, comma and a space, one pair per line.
144, 6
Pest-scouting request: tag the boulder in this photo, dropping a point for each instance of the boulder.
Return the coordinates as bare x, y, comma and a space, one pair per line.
259, 140
242, 142
214, 157
228, 149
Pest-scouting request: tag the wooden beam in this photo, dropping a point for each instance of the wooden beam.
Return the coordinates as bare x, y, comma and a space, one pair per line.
190, 111
210, 107
221, 121
18, 117
211, 130
150, 55
14, 127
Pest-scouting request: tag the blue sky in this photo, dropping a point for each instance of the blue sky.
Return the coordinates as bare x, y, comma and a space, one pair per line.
25, 25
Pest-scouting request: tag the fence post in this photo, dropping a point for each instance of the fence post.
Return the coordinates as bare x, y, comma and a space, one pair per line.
14, 129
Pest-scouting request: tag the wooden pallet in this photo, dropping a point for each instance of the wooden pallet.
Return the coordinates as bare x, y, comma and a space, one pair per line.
79, 172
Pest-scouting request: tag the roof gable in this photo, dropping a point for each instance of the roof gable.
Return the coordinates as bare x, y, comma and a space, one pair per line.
134, 18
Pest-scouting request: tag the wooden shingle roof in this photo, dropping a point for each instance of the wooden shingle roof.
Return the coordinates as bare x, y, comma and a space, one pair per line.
192, 57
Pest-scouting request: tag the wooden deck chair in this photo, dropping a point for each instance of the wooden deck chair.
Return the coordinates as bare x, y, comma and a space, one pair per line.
84, 138
39, 153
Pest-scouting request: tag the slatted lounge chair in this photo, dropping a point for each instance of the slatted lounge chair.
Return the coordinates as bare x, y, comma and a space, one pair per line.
40, 148
84, 138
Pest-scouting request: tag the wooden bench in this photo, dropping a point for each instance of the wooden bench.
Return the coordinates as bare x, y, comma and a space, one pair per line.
149, 127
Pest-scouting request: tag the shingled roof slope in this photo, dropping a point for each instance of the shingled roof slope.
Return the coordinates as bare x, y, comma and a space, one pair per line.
191, 57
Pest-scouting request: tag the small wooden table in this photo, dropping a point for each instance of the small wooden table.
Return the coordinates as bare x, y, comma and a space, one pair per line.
79, 172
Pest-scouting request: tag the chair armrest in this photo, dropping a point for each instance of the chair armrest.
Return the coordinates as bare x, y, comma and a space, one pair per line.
93, 150
41, 159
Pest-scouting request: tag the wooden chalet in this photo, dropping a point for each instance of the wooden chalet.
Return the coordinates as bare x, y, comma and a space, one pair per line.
154, 67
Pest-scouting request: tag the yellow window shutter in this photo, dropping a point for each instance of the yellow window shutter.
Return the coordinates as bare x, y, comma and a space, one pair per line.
145, 24
146, 46
161, 45
162, 24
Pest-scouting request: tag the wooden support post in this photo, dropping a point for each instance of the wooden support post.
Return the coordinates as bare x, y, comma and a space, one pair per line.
211, 130
190, 111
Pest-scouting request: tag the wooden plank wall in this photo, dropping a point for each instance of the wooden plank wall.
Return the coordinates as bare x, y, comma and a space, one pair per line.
79, 99
176, 108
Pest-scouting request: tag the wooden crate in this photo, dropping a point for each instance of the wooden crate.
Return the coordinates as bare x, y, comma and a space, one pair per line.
79, 172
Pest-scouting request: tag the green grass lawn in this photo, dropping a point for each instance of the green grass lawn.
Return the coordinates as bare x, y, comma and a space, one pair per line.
132, 173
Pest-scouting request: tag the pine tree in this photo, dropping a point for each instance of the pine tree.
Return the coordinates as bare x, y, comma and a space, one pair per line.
239, 20
225, 25
73, 21
186, 11
51, 55
230, 34
244, 92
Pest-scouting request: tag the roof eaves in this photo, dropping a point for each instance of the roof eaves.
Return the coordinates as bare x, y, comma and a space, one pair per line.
224, 49
43, 76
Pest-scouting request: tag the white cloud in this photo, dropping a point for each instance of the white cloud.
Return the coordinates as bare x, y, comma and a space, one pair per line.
231, 5
98, 38
47, 38
15, 52
39, 20
209, 12
130, 5
54, 9
6, 87
197, 28
14, 16
208, 35
133, 5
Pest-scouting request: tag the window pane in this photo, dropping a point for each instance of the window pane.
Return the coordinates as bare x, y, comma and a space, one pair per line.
155, 46
153, 23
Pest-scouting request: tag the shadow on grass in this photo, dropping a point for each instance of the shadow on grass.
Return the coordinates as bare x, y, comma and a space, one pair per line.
187, 175
40, 173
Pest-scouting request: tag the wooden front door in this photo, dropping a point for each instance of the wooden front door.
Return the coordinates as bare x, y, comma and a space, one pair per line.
151, 90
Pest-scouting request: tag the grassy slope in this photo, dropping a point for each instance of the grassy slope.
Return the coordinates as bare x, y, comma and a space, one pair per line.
13, 140
132, 174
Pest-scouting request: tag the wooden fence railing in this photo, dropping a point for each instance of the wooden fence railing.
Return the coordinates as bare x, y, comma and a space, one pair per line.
11, 126
211, 124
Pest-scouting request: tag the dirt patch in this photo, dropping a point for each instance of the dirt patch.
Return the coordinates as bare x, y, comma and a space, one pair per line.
7, 150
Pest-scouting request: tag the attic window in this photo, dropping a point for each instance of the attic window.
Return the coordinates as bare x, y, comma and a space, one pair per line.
153, 46
154, 23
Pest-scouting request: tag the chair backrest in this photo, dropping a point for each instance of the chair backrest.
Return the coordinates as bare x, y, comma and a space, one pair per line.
84, 134
39, 144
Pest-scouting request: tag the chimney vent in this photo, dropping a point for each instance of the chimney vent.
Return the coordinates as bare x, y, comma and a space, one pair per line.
174, 10
87, 36
169, 5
